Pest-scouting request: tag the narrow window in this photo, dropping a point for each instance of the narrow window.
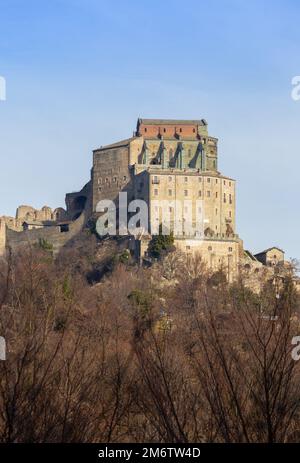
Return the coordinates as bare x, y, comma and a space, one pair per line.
185, 192
208, 194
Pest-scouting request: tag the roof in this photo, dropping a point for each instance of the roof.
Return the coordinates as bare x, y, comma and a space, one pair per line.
250, 255
267, 250
116, 145
172, 122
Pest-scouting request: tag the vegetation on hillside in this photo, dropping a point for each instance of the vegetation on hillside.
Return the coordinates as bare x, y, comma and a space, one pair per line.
161, 244
168, 354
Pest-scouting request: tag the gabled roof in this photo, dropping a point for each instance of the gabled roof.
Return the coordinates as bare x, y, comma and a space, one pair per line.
267, 250
116, 145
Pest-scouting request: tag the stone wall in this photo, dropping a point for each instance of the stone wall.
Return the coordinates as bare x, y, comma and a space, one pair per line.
29, 213
79, 201
45, 214
13, 240
111, 174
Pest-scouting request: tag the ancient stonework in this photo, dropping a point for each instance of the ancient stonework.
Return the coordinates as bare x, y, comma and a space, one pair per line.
165, 160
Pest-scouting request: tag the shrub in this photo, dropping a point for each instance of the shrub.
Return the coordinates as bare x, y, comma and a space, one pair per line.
161, 244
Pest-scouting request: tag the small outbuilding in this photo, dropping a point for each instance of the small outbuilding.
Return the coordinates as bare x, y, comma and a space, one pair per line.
271, 256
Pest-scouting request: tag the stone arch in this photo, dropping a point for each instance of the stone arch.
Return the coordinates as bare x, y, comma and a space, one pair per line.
59, 214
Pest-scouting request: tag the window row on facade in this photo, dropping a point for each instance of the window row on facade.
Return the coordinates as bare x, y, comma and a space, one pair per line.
156, 179
208, 194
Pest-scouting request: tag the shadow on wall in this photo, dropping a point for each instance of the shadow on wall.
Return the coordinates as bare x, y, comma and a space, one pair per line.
78, 202
78, 206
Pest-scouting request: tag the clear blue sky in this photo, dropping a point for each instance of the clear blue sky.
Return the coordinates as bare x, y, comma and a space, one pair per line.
80, 72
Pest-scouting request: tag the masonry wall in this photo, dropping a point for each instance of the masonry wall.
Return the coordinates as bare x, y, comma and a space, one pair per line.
215, 195
218, 254
111, 174
16, 240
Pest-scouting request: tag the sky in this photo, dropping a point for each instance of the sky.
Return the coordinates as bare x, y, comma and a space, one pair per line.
80, 72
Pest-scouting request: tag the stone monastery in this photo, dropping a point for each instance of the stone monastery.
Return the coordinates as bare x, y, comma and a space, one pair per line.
164, 161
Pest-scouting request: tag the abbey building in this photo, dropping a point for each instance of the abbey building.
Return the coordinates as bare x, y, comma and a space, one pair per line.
165, 162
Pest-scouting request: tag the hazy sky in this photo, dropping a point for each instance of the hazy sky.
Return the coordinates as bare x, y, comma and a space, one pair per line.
80, 72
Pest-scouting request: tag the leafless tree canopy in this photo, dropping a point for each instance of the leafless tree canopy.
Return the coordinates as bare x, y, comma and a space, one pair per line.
167, 354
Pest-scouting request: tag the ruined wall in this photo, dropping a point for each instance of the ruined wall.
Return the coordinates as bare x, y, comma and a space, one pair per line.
45, 214
16, 240
29, 213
